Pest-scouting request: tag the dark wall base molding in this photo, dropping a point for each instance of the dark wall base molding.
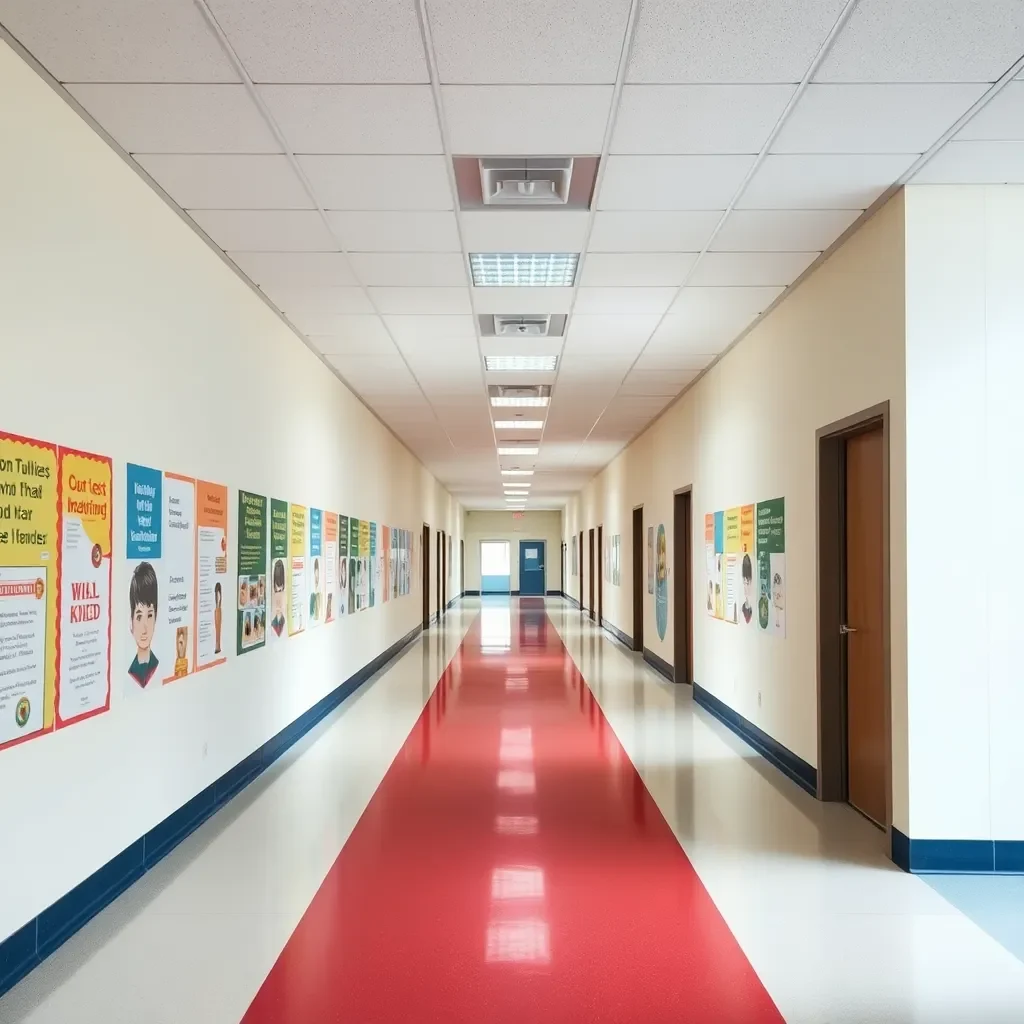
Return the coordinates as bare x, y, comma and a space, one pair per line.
617, 633
659, 665
957, 856
34, 942
472, 593
803, 774
572, 600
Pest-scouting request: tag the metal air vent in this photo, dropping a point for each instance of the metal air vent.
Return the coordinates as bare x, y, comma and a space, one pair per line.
519, 390
521, 326
516, 181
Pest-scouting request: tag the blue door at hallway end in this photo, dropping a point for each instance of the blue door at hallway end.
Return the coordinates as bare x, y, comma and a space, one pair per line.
531, 568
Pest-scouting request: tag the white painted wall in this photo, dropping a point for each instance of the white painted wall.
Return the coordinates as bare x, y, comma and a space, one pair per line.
965, 486
122, 333
499, 525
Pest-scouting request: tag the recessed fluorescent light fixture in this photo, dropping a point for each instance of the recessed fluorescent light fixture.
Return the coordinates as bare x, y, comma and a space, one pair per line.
518, 424
537, 364
533, 403
517, 472
516, 493
524, 269
517, 450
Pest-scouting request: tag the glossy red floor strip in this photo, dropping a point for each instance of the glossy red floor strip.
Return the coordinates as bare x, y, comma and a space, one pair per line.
512, 867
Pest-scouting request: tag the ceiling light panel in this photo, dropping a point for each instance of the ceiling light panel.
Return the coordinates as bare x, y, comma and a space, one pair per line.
519, 402
518, 424
518, 450
517, 472
539, 364
524, 269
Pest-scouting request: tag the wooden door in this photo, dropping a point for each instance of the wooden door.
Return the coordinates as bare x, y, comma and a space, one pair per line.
867, 756
590, 571
638, 579
425, 581
600, 575
580, 546
682, 588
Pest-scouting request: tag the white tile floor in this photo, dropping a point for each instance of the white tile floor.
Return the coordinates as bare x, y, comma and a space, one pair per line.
836, 933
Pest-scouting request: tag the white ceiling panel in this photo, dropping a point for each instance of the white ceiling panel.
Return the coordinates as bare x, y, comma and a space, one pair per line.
369, 336
295, 269
708, 304
672, 182
421, 301
706, 320
751, 268
403, 231
355, 118
729, 40
782, 230
533, 41
181, 118
927, 41
285, 41
510, 120
415, 330
227, 181
624, 300
654, 269
975, 163
1000, 120
410, 269
609, 334
379, 182
524, 230
266, 230
667, 359
656, 383
873, 118
616, 231
697, 118
113, 40
522, 300
293, 301
823, 181
315, 322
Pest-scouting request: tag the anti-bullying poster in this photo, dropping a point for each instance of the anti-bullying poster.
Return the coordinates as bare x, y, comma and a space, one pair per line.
771, 566
298, 586
211, 572
343, 565
316, 576
374, 566
279, 570
330, 564
251, 613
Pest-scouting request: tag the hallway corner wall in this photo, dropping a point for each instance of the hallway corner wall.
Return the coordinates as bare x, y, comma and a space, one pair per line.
498, 524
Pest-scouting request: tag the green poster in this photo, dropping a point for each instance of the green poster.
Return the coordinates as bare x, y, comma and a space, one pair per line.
252, 572
343, 591
373, 563
278, 567
771, 565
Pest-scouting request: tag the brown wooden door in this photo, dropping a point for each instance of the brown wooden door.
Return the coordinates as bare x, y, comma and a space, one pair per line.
600, 575
638, 579
590, 571
867, 756
682, 588
425, 581
580, 546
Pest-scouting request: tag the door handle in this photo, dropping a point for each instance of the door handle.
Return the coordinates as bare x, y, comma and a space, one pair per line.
844, 630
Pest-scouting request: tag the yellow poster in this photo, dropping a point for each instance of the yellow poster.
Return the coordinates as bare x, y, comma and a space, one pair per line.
298, 591
29, 559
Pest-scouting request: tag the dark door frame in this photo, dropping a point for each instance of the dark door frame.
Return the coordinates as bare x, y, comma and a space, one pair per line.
831, 530
425, 582
580, 545
462, 567
590, 552
561, 577
600, 574
638, 578
682, 585
440, 571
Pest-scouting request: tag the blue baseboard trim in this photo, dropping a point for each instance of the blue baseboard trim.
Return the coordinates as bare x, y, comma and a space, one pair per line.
957, 856
659, 665
623, 638
796, 768
35, 941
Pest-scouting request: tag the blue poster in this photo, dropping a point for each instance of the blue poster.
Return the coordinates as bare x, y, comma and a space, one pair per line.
661, 584
145, 512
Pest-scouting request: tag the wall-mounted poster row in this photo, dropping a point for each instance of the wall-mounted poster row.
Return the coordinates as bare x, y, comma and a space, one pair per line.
55, 585
745, 562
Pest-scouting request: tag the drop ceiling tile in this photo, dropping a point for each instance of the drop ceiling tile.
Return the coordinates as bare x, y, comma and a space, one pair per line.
113, 41
227, 181
671, 182
616, 231
355, 118
536, 41
410, 269
873, 118
361, 334
283, 41
751, 268
522, 301
601, 270
709, 304
926, 41
295, 301
975, 163
614, 334
697, 118
266, 230
379, 182
667, 359
312, 321
1000, 120
421, 301
624, 300
525, 230
823, 181
707, 320
179, 118
295, 269
531, 120
402, 231
729, 40
782, 230
425, 330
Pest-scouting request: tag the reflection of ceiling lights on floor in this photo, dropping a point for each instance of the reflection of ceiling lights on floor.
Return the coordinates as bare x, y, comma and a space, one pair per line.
516, 824
514, 780
517, 883
523, 269
524, 941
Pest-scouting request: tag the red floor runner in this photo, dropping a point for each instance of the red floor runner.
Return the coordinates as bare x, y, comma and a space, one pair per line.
512, 867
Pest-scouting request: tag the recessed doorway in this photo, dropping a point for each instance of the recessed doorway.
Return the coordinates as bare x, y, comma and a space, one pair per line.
638, 578
682, 586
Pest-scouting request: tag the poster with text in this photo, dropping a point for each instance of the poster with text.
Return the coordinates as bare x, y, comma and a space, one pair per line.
29, 554
298, 585
278, 570
86, 543
385, 541
363, 565
719, 570
212, 572
343, 555
395, 563
316, 575
709, 563
330, 565
374, 566
771, 566
251, 611
661, 584
731, 565
650, 559
747, 554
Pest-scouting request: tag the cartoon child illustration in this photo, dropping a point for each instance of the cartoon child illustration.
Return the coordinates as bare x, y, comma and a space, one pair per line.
747, 571
778, 599
314, 597
40, 589
277, 622
181, 651
217, 616
142, 596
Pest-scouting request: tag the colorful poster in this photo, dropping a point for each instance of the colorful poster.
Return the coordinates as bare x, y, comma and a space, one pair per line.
29, 557
719, 576
330, 564
343, 563
212, 572
650, 559
661, 584
374, 567
709, 562
771, 566
385, 536
251, 613
298, 585
747, 613
179, 549
731, 565
316, 575
359, 542
393, 564
86, 545
278, 569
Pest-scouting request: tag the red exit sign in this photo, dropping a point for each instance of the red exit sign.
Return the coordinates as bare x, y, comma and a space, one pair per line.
517, 515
